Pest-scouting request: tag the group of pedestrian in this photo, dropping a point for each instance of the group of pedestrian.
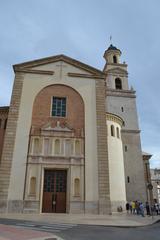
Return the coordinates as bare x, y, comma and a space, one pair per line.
137, 207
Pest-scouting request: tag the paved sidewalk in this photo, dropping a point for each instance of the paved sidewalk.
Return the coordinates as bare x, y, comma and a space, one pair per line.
14, 233
118, 219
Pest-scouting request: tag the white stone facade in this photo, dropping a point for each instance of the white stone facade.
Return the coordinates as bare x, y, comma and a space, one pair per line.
102, 165
116, 162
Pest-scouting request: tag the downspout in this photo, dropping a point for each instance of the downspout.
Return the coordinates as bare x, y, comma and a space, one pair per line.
29, 143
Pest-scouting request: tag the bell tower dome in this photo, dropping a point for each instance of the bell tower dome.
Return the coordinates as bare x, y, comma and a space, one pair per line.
112, 54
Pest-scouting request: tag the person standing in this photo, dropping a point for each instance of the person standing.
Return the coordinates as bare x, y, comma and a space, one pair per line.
133, 207
156, 207
148, 209
141, 207
130, 207
127, 207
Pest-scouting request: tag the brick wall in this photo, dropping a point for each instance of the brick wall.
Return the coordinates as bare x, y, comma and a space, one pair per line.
41, 115
3, 122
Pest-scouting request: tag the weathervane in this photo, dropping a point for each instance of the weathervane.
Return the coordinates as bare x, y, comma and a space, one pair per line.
110, 38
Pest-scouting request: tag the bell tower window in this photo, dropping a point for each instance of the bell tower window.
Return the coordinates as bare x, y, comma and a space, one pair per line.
114, 59
118, 83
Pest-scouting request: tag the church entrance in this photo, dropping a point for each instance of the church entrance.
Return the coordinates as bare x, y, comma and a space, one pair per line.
54, 191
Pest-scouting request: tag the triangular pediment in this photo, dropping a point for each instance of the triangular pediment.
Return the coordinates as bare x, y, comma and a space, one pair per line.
40, 64
117, 70
57, 128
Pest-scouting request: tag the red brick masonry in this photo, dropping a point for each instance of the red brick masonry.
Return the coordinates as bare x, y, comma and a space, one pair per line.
74, 108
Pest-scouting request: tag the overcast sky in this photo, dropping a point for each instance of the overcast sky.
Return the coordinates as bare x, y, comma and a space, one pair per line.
31, 29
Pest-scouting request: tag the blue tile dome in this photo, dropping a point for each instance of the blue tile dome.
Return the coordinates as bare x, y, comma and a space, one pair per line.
111, 47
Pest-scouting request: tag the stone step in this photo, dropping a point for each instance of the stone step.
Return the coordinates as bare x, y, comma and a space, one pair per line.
29, 210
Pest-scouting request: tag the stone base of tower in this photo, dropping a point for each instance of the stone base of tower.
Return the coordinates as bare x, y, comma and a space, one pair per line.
3, 206
117, 206
104, 206
89, 207
15, 206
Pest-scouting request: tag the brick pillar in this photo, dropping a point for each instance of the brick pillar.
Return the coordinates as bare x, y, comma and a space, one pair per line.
8, 147
102, 145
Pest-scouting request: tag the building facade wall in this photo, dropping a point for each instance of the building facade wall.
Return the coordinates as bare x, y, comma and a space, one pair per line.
134, 169
89, 96
125, 107
96, 193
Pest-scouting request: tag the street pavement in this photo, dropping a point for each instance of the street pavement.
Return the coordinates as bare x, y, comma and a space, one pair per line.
78, 227
55, 227
24, 230
87, 232
118, 219
8, 232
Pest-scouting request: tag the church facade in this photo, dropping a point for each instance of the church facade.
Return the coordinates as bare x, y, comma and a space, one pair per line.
70, 140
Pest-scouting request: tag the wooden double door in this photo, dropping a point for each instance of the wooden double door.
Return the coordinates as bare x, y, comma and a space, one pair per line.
54, 191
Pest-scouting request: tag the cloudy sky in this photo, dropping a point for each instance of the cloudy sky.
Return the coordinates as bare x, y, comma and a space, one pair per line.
80, 29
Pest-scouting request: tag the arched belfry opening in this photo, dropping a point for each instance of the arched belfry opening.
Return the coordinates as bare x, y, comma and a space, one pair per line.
118, 83
114, 59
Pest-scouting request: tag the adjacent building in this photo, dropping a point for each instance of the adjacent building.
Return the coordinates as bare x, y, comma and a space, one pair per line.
155, 179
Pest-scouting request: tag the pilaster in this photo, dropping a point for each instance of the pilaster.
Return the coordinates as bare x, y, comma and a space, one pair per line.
7, 154
102, 150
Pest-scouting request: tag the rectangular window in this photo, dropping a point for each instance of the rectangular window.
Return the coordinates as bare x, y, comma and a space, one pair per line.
59, 107
128, 179
125, 147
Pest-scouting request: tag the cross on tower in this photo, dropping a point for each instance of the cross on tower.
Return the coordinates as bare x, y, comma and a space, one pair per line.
110, 38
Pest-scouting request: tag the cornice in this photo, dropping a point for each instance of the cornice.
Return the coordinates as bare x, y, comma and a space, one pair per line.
114, 118
146, 158
4, 109
120, 93
118, 64
86, 76
28, 70
130, 131
117, 74
116, 70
